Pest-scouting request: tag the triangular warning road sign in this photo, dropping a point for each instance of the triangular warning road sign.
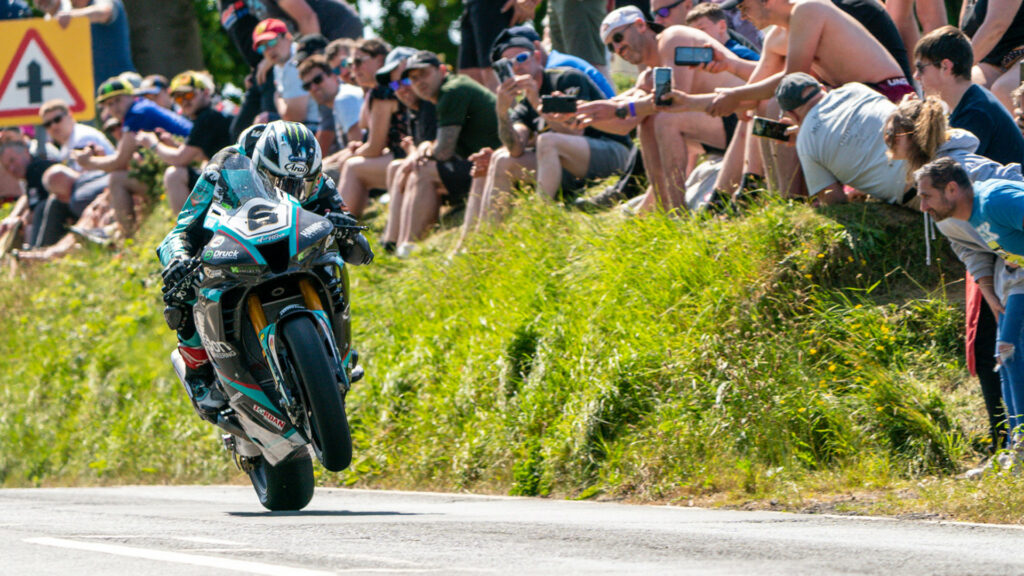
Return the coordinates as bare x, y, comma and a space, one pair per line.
34, 77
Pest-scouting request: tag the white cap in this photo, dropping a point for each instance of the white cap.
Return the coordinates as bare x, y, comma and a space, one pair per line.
618, 18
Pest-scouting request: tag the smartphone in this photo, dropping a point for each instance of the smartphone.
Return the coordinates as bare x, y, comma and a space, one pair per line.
662, 84
503, 68
766, 128
558, 104
693, 55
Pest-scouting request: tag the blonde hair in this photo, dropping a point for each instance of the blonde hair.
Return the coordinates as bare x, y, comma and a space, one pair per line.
52, 105
924, 121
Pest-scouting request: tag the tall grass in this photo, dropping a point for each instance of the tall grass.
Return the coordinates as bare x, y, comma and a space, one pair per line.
562, 354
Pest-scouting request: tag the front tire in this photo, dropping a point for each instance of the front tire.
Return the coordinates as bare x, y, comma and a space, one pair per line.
287, 486
325, 407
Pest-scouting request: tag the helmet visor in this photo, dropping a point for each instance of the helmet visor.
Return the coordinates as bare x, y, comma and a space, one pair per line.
297, 187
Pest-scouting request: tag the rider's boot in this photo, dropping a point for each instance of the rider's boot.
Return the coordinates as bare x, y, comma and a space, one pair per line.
200, 383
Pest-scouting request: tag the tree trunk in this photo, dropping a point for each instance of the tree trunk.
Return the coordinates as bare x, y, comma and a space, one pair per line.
165, 36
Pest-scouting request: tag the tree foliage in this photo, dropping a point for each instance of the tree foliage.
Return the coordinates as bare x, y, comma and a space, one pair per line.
401, 25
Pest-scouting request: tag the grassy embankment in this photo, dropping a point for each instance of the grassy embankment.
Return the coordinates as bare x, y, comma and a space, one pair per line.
788, 358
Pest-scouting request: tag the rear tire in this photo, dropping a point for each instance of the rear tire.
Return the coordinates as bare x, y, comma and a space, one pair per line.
287, 486
325, 407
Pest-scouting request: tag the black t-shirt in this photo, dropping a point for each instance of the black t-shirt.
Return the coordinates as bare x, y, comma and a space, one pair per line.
34, 180
398, 127
981, 114
872, 15
211, 131
1012, 38
570, 82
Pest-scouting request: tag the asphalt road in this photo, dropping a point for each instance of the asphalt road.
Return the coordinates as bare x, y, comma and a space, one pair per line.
223, 530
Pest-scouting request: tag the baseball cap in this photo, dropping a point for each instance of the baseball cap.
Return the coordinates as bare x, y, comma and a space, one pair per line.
624, 16
421, 59
790, 92
515, 36
308, 45
730, 4
394, 58
151, 84
188, 81
267, 30
112, 87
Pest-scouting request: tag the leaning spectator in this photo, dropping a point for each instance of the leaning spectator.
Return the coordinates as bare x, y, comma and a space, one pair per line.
307, 46
386, 119
115, 99
553, 58
710, 18
944, 59
28, 210
575, 28
542, 146
997, 40
211, 131
155, 87
272, 39
342, 100
466, 123
111, 49
71, 189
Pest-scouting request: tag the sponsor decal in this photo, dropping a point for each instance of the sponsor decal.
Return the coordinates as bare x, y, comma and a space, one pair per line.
219, 349
266, 415
213, 272
297, 168
260, 216
225, 254
217, 241
272, 237
314, 229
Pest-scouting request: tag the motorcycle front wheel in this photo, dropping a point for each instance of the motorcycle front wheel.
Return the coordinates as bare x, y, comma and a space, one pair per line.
325, 407
287, 486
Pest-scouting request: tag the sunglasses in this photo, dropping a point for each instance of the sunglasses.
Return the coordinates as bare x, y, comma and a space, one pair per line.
616, 39
313, 82
182, 97
920, 66
268, 44
520, 58
890, 133
664, 10
396, 84
54, 120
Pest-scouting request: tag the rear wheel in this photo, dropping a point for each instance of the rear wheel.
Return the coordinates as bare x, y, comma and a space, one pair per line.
287, 486
325, 408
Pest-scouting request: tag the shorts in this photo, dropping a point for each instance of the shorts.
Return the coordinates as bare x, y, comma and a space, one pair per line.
607, 157
481, 22
86, 188
894, 89
455, 176
575, 28
729, 124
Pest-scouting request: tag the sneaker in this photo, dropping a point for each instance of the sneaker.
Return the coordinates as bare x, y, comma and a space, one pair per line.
96, 235
603, 200
405, 250
389, 246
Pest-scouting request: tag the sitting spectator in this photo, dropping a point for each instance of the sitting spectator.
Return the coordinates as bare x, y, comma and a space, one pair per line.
466, 123
108, 28
840, 140
154, 87
339, 59
710, 18
70, 188
272, 39
944, 59
307, 46
387, 124
28, 210
546, 147
996, 30
211, 131
995, 209
342, 99
116, 100
553, 59
918, 132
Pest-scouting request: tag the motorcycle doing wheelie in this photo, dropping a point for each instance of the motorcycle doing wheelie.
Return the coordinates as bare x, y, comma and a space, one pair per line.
272, 311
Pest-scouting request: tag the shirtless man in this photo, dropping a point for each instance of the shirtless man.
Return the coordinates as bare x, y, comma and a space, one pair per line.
822, 40
649, 45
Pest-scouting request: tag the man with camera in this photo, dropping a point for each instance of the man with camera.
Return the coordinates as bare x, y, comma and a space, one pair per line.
540, 136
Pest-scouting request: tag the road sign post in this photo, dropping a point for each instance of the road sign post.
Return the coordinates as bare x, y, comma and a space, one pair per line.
44, 62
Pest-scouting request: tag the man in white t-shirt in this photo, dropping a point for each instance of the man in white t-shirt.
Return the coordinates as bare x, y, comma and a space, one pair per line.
840, 140
272, 40
67, 181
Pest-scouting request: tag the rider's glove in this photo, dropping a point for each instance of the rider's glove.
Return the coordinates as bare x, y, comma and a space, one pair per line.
343, 221
172, 275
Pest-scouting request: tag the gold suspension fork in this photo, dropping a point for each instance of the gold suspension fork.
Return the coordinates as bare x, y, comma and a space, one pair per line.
310, 295
256, 314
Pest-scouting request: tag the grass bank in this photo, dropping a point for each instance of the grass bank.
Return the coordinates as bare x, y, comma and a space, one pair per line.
790, 359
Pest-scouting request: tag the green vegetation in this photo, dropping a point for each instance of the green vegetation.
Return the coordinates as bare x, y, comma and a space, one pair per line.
787, 358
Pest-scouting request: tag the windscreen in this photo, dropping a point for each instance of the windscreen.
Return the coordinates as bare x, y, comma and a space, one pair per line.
244, 182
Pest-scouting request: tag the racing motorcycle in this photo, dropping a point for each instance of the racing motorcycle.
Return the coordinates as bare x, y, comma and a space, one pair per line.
272, 311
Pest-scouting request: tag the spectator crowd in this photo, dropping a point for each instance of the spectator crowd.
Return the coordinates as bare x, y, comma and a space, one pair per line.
830, 101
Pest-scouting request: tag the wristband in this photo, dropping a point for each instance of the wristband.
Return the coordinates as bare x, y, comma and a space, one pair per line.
632, 110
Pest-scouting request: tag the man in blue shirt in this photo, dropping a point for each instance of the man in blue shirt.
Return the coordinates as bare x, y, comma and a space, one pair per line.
995, 208
116, 100
711, 18
554, 58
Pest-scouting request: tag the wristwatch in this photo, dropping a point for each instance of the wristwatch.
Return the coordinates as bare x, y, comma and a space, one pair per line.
621, 112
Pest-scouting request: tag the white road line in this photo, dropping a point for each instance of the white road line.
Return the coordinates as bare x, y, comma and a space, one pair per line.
179, 558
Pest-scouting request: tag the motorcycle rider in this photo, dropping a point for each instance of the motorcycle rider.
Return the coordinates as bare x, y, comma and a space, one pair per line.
289, 155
